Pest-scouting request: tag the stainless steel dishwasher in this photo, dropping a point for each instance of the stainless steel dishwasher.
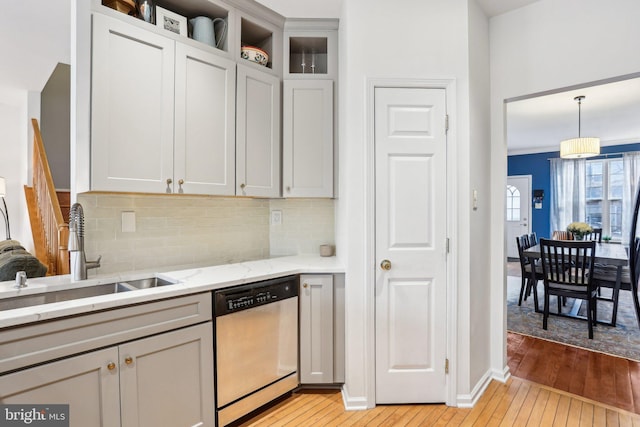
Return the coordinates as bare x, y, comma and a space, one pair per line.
256, 338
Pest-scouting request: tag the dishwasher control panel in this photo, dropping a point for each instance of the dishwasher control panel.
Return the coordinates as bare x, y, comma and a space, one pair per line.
244, 297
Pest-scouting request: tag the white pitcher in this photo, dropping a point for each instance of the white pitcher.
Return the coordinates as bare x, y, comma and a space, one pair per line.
204, 30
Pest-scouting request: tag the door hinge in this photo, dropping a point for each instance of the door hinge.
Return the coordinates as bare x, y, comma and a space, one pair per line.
446, 366
446, 123
447, 245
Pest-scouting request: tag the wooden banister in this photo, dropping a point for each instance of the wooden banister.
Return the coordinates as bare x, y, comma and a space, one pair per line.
50, 230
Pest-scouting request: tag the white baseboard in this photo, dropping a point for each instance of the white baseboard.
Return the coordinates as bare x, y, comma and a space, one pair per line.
352, 403
502, 376
469, 400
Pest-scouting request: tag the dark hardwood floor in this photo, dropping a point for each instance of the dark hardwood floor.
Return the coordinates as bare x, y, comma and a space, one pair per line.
607, 379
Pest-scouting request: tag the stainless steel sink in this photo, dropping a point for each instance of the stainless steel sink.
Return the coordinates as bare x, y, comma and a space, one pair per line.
57, 296
150, 282
77, 293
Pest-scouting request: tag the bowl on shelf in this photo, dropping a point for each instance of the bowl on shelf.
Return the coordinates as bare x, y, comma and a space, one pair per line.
254, 54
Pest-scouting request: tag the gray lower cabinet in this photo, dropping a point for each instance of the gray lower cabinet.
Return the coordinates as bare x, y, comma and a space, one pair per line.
153, 365
83, 382
321, 328
166, 379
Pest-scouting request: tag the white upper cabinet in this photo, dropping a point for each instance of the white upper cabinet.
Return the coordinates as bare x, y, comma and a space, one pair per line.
163, 113
132, 108
204, 122
308, 138
311, 49
257, 133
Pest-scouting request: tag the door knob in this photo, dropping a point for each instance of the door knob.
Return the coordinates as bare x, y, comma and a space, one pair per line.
385, 264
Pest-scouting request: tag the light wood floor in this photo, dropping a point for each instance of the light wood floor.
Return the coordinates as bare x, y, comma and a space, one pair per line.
516, 403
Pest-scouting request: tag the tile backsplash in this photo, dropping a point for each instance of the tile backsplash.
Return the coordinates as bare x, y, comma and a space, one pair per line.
306, 224
196, 230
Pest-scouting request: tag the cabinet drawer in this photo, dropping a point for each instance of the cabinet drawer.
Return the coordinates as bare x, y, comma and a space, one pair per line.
40, 342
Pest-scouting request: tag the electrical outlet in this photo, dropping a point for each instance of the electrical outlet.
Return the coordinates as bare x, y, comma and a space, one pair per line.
276, 217
128, 222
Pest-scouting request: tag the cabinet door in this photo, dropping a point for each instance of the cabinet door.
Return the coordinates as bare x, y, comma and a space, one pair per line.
205, 122
257, 133
84, 382
167, 379
308, 138
132, 86
316, 329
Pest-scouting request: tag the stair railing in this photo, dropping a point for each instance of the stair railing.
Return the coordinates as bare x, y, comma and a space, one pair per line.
55, 230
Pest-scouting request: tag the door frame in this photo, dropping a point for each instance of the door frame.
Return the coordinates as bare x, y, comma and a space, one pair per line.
449, 85
529, 207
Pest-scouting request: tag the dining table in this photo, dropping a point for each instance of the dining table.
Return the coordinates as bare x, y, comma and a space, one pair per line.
610, 254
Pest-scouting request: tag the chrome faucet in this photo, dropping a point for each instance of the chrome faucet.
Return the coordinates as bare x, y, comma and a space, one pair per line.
79, 263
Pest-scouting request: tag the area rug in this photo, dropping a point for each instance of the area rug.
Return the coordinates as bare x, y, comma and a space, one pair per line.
623, 340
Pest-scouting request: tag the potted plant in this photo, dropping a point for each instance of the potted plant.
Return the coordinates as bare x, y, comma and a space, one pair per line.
579, 230
606, 239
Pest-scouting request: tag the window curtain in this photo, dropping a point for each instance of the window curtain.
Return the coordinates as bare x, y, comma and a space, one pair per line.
631, 163
568, 194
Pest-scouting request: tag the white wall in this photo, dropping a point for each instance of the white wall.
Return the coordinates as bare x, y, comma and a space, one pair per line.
413, 39
548, 45
15, 161
480, 217
55, 124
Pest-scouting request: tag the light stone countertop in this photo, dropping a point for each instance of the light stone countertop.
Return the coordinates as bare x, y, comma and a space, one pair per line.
191, 280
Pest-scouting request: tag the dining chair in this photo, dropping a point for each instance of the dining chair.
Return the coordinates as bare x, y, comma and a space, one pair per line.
527, 285
595, 235
604, 276
566, 267
533, 239
561, 235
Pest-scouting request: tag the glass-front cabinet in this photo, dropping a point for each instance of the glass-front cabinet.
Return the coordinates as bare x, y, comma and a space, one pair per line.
311, 49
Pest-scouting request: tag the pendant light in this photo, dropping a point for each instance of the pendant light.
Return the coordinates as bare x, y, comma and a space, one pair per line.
579, 148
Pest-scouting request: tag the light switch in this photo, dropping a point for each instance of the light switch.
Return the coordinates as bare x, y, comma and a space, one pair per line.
129, 222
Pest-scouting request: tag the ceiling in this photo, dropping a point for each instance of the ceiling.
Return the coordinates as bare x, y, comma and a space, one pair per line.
609, 111
331, 8
37, 36
34, 38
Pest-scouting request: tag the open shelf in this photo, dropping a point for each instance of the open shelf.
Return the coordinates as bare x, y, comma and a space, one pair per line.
308, 55
252, 34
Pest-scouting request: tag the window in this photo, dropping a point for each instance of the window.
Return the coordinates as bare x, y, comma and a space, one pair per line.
513, 203
604, 182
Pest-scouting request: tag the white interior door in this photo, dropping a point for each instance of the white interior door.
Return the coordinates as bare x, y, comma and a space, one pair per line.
411, 219
518, 213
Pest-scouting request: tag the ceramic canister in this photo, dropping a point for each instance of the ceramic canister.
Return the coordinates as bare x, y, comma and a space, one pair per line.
203, 30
